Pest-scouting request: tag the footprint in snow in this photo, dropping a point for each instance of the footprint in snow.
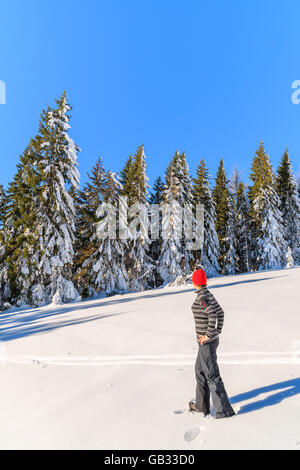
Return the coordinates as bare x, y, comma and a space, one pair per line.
190, 413
179, 412
191, 434
186, 412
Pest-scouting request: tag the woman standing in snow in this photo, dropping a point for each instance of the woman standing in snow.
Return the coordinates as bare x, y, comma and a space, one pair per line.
209, 319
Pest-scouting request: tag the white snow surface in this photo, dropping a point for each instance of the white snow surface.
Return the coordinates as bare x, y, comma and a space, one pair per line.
118, 372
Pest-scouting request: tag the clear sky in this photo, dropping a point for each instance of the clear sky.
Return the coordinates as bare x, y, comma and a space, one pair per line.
210, 77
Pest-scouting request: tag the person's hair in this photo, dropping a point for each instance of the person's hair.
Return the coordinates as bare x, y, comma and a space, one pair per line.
201, 285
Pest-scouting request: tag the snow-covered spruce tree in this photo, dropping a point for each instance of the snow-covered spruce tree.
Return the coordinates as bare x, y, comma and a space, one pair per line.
126, 179
3, 265
289, 258
230, 240
157, 195
87, 243
175, 257
233, 185
186, 200
242, 231
3, 276
2, 204
298, 184
100, 260
155, 200
234, 182
239, 203
7, 245
225, 225
110, 274
269, 247
185, 181
139, 264
57, 165
289, 205
19, 238
208, 255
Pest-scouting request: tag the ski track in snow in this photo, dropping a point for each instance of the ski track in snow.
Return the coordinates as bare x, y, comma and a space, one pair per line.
237, 358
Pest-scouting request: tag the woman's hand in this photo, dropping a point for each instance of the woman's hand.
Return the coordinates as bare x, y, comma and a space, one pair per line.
202, 339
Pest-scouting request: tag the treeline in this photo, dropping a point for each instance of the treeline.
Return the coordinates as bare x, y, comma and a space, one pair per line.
50, 249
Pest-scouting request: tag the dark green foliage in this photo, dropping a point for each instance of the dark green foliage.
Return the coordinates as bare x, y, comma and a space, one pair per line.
157, 196
127, 177
208, 256
268, 247
20, 219
261, 175
224, 221
2, 204
87, 203
286, 187
243, 241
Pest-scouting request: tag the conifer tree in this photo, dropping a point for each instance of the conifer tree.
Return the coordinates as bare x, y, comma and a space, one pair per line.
2, 204
3, 264
298, 184
289, 258
126, 179
7, 236
233, 185
139, 265
57, 165
229, 260
87, 243
2, 278
175, 257
224, 221
156, 199
289, 205
243, 241
110, 273
157, 196
3, 275
185, 181
208, 255
269, 247
20, 219
100, 260
234, 182
171, 255
39, 219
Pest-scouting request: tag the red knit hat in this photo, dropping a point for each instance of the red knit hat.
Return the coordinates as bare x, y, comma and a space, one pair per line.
199, 278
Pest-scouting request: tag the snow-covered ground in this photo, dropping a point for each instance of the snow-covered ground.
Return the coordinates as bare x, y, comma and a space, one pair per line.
117, 373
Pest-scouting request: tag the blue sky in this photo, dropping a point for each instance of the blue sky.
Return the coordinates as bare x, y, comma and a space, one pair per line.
212, 78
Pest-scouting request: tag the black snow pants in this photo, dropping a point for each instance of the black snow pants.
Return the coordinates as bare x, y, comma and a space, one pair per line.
209, 382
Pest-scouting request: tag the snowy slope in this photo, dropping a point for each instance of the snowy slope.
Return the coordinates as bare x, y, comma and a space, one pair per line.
116, 373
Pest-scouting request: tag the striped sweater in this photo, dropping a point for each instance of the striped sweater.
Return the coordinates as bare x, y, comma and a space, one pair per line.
208, 315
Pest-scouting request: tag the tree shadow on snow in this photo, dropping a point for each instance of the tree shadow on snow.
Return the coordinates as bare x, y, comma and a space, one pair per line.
24, 322
248, 281
286, 389
26, 326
